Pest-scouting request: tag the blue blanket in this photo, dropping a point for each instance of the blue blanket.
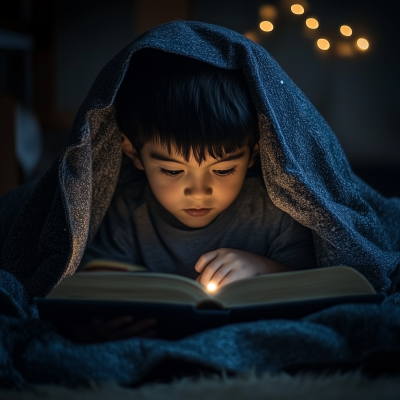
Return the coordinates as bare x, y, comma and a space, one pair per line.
44, 230
344, 336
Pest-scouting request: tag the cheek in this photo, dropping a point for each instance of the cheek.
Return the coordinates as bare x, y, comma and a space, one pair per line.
226, 192
227, 189
165, 190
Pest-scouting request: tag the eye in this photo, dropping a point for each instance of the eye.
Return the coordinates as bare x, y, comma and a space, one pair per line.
224, 172
170, 173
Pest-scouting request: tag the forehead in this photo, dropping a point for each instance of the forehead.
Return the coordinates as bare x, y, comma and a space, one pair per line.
159, 151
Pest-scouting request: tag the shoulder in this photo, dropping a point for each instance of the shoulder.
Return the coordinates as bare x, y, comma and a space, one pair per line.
257, 202
254, 192
128, 197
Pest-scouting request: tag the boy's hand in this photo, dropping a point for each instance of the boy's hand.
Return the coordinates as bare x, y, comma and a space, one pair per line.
224, 266
101, 330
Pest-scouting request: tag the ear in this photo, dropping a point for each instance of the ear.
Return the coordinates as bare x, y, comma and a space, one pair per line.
131, 152
254, 154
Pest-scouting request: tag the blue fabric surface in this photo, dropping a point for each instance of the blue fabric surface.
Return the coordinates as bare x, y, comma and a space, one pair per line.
32, 352
306, 174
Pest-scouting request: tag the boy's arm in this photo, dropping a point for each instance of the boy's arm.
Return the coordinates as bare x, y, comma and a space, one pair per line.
115, 239
293, 246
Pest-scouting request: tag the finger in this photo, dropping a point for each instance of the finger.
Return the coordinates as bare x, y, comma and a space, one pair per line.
95, 322
133, 329
83, 333
210, 270
231, 277
221, 273
117, 323
150, 333
204, 260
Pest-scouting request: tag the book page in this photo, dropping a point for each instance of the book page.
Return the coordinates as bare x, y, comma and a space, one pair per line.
309, 284
128, 286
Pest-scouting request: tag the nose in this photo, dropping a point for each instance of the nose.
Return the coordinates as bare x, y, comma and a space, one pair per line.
198, 190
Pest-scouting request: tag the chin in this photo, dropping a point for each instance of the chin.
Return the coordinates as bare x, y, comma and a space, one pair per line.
197, 222
197, 225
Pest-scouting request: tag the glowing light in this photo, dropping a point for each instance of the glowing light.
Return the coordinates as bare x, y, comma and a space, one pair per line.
252, 36
312, 23
268, 12
323, 44
345, 49
363, 44
346, 30
297, 9
211, 287
266, 26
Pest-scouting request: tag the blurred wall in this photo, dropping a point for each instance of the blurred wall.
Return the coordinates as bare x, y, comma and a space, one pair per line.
89, 33
358, 96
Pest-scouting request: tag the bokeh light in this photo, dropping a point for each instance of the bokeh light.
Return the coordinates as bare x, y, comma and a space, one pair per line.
266, 26
345, 49
346, 30
211, 287
297, 9
312, 23
323, 44
268, 12
362, 44
251, 35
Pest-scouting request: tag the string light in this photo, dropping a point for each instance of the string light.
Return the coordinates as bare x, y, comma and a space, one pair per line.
345, 49
341, 47
346, 30
323, 44
252, 36
211, 287
297, 9
363, 44
312, 23
266, 26
268, 12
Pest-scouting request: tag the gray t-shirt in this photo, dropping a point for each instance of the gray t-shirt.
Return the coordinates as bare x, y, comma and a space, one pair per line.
137, 229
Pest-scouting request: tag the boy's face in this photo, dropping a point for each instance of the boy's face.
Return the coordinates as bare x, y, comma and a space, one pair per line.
195, 194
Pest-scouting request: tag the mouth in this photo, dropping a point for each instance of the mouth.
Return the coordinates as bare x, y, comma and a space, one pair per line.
197, 212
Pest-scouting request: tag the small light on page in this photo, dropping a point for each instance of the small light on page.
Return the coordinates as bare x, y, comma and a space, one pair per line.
211, 287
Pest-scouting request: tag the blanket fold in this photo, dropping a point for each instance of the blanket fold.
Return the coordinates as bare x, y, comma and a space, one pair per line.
306, 174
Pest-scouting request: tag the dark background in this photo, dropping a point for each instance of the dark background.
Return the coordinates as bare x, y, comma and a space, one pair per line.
67, 42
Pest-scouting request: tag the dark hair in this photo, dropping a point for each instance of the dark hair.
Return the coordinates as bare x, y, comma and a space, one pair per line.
172, 99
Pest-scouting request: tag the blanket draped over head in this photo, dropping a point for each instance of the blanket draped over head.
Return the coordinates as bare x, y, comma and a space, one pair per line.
45, 227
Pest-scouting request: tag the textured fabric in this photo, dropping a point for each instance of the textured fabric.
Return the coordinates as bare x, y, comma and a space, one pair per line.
305, 170
336, 336
137, 229
306, 175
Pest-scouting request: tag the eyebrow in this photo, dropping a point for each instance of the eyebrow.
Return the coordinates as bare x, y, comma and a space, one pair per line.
162, 157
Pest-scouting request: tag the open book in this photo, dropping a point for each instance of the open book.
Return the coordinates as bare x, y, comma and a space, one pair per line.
112, 288
144, 286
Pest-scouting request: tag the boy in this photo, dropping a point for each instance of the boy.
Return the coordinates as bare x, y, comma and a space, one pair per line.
193, 130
